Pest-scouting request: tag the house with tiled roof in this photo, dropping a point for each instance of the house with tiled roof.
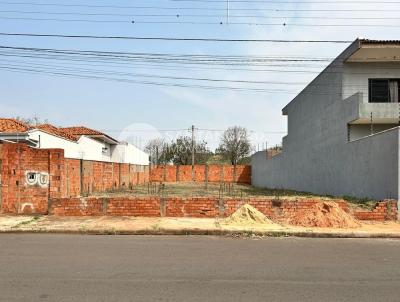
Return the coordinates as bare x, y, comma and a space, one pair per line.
95, 134
12, 130
109, 143
77, 142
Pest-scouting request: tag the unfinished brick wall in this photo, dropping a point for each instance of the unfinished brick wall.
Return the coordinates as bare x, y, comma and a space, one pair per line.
202, 207
101, 176
145, 207
54, 177
26, 175
383, 210
72, 178
201, 173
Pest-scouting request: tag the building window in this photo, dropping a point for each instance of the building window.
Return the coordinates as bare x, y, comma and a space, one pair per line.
384, 90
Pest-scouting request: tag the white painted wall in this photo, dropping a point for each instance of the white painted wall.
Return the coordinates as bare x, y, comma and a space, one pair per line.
91, 149
127, 153
356, 75
71, 149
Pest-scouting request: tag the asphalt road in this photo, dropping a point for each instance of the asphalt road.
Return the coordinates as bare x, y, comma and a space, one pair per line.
166, 268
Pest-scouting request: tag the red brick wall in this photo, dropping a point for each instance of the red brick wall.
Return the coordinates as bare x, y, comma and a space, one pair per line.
192, 207
18, 196
77, 207
145, 207
383, 210
202, 173
92, 206
65, 177
202, 207
184, 173
72, 180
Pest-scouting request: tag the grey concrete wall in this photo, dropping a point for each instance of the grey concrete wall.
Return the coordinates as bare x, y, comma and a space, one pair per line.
367, 167
358, 131
317, 156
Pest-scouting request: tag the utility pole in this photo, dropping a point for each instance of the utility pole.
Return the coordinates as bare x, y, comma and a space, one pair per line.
193, 147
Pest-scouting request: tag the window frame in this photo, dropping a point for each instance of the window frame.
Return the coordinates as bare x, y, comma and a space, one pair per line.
388, 89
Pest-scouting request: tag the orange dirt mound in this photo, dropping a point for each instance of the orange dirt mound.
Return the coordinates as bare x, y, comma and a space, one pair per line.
247, 215
324, 214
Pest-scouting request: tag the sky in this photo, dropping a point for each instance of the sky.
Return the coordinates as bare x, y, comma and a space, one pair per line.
139, 112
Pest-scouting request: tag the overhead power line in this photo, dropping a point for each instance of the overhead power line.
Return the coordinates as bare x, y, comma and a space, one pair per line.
96, 77
286, 24
178, 16
169, 56
206, 8
170, 38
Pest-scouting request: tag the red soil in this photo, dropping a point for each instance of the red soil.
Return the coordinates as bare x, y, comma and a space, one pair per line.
324, 214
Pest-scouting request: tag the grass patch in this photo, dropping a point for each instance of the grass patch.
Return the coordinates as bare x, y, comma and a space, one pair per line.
364, 203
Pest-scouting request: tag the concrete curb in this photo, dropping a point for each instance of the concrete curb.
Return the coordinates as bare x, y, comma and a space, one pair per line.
188, 232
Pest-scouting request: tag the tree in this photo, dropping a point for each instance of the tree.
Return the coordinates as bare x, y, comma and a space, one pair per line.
159, 151
235, 144
181, 151
32, 121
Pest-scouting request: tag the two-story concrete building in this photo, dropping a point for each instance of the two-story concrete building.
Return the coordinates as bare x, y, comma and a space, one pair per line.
343, 129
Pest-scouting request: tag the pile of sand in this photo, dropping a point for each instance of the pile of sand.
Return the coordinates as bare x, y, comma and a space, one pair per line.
324, 214
247, 215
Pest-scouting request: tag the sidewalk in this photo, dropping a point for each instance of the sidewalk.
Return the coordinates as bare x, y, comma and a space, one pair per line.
183, 226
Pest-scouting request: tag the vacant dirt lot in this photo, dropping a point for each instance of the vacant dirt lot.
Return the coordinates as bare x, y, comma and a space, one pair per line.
197, 189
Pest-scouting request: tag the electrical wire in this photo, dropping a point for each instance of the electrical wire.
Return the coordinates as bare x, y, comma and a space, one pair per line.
285, 24
199, 15
195, 8
69, 36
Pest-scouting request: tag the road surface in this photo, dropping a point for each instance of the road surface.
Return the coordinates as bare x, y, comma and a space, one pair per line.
167, 268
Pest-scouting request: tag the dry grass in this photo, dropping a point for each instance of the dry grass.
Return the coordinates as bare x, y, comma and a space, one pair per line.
190, 189
225, 190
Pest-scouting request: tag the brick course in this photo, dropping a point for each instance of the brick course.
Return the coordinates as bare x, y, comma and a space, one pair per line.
202, 207
202, 173
383, 210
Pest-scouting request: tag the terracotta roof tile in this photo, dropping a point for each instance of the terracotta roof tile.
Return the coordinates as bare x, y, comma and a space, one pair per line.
367, 41
12, 126
81, 130
56, 131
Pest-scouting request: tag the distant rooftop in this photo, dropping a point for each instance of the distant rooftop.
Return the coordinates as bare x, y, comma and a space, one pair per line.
78, 131
56, 131
10, 125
